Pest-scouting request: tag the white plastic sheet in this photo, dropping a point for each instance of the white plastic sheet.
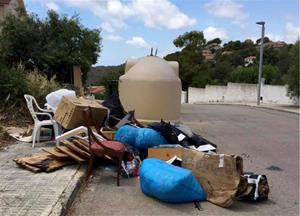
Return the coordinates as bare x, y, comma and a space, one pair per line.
54, 98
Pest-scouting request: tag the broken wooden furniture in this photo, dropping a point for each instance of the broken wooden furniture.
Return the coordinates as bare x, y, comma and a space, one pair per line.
74, 150
77, 131
43, 162
30, 100
100, 148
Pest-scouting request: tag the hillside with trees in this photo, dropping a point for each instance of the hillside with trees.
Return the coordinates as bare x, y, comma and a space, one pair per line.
209, 62
98, 75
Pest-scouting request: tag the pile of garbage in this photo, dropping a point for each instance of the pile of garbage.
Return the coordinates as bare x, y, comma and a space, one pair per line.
173, 163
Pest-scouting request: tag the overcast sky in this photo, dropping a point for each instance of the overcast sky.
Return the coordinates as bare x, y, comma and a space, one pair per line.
130, 28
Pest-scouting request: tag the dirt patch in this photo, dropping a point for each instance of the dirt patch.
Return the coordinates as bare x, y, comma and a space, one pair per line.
5, 139
16, 118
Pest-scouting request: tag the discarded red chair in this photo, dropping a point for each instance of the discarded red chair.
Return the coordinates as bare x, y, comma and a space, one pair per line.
99, 148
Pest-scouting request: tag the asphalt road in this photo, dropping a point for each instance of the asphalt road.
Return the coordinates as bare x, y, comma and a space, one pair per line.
268, 141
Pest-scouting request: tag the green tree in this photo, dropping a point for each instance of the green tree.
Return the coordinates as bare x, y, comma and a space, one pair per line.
271, 75
190, 57
293, 72
232, 45
271, 56
201, 76
266, 40
250, 74
285, 60
216, 40
220, 73
52, 45
192, 39
244, 75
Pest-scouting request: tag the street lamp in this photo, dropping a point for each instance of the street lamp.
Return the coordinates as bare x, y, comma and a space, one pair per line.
262, 23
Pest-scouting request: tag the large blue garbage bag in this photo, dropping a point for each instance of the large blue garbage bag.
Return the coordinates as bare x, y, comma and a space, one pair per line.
139, 137
169, 183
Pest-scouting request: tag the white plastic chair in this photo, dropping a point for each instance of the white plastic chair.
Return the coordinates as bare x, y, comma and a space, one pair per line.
37, 123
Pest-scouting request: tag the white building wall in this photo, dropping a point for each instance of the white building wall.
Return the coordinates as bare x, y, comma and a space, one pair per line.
183, 97
275, 94
215, 93
196, 95
240, 93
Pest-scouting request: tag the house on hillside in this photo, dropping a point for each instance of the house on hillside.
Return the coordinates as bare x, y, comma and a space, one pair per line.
275, 45
213, 47
208, 55
10, 6
250, 60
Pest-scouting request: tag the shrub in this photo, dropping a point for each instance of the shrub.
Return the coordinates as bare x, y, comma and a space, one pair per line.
244, 75
39, 86
250, 75
293, 72
13, 86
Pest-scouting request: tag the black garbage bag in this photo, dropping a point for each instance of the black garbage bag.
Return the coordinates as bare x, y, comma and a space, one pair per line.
113, 103
197, 140
179, 134
260, 187
170, 133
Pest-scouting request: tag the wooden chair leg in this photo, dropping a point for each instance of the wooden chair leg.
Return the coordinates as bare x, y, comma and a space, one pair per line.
119, 169
90, 167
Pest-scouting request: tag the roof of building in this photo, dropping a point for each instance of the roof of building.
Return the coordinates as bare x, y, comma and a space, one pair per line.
20, 2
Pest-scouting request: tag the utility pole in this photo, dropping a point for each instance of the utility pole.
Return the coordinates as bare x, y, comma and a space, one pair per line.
262, 23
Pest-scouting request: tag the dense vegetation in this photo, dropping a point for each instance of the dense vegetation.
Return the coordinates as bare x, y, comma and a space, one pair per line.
36, 56
281, 64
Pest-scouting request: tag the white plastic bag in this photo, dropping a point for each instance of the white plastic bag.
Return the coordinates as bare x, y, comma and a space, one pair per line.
54, 98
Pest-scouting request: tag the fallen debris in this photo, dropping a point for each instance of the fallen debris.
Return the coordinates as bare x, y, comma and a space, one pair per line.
71, 154
74, 151
169, 183
69, 112
43, 162
174, 164
220, 175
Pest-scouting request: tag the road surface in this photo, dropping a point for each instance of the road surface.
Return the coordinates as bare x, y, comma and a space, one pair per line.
268, 141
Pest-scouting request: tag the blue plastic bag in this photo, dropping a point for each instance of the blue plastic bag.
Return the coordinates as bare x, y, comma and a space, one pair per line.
139, 137
169, 183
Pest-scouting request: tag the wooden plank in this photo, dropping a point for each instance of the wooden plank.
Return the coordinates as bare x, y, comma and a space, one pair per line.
54, 152
73, 147
71, 153
82, 141
58, 163
27, 166
80, 145
43, 162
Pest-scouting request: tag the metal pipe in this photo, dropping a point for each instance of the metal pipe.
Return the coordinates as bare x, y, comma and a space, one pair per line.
260, 60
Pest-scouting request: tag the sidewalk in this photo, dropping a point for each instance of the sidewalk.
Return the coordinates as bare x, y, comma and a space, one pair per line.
285, 108
25, 193
278, 107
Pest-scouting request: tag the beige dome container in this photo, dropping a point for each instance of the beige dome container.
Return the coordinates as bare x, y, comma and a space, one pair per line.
152, 87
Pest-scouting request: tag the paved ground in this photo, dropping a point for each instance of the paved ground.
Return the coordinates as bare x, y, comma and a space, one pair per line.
264, 138
25, 193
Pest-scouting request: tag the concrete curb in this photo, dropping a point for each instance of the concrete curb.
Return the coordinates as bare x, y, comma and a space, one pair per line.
68, 195
276, 109
249, 105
